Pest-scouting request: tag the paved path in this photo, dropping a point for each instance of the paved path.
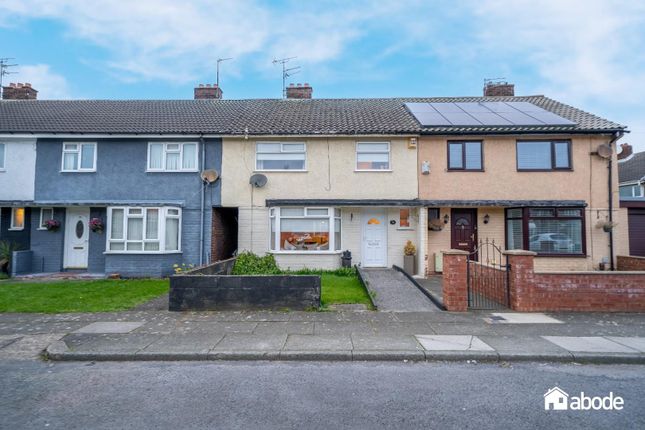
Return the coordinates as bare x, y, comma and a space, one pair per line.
392, 292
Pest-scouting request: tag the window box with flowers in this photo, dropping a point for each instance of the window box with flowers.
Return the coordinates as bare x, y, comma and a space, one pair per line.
52, 225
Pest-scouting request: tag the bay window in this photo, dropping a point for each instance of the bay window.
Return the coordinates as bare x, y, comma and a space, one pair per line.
172, 157
547, 231
301, 229
144, 229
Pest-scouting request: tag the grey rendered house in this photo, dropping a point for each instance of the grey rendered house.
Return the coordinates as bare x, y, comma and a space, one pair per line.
122, 181
631, 174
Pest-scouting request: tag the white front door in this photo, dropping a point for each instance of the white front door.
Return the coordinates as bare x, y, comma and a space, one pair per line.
374, 238
76, 238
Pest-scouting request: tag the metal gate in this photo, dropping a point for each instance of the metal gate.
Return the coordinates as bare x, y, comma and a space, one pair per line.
487, 274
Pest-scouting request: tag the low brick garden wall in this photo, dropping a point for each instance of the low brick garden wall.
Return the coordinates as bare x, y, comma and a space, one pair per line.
532, 291
630, 263
213, 288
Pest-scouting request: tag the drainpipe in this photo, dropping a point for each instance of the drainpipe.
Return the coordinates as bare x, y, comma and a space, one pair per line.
203, 201
610, 195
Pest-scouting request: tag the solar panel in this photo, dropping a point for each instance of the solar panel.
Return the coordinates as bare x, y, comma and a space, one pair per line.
483, 113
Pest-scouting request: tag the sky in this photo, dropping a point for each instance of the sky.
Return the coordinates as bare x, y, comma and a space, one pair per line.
586, 53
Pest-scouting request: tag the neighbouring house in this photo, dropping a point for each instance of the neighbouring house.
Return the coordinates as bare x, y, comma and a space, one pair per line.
102, 186
529, 173
631, 173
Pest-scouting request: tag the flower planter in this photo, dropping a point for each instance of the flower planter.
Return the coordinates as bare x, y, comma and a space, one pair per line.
410, 264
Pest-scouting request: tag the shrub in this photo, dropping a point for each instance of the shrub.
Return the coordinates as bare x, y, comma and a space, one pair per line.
409, 248
248, 263
6, 253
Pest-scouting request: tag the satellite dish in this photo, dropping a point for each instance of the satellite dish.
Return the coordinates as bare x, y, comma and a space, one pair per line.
604, 151
209, 176
258, 180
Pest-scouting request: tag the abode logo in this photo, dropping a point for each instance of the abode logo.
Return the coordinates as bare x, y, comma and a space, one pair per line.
556, 399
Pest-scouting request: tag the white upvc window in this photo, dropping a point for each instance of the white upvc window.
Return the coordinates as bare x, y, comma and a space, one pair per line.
79, 157
280, 156
172, 157
631, 190
144, 230
373, 156
17, 219
3, 157
304, 229
46, 214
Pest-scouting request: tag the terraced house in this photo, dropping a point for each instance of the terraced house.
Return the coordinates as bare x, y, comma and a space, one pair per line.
138, 186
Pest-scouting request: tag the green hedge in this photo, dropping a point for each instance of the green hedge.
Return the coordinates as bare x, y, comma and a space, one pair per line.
248, 263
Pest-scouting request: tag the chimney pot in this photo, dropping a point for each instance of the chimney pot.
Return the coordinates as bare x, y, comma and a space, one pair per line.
207, 91
499, 89
19, 91
299, 91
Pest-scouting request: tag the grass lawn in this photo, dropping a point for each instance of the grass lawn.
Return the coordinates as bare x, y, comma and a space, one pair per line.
78, 296
343, 289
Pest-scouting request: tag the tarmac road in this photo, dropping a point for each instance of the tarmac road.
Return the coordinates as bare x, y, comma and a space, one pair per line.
36, 394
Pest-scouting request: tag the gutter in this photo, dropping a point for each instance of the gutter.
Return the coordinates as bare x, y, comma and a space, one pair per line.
610, 196
203, 199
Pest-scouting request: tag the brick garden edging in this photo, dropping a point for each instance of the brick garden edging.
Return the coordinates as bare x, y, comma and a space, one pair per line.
532, 291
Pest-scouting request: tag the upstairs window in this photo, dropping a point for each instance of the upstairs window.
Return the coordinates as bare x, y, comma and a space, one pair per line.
280, 156
465, 156
2, 156
373, 156
172, 157
79, 157
544, 155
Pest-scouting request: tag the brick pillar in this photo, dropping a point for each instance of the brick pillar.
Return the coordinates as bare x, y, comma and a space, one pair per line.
520, 279
455, 282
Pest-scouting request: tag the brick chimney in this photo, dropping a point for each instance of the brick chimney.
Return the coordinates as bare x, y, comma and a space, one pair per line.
300, 91
19, 91
496, 89
208, 91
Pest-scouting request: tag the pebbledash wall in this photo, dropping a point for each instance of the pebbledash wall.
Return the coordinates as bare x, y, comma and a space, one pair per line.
500, 180
330, 174
121, 179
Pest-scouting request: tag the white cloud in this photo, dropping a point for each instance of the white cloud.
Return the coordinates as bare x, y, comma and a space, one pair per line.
50, 85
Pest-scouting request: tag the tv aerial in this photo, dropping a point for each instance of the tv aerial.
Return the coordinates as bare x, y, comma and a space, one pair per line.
219, 60
4, 70
286, 72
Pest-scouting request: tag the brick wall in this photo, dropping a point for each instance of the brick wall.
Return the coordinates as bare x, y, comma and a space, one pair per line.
572, 291
630, 263
455, 283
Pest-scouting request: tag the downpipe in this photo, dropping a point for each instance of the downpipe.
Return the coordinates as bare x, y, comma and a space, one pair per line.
203, 201
610, 196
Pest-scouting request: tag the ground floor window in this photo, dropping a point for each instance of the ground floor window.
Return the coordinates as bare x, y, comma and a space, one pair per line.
17, 219
404, 218
547, 231
305, 229
144, 229
46, 214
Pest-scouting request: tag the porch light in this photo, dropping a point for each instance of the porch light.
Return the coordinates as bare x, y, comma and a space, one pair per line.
446, 218
486, 218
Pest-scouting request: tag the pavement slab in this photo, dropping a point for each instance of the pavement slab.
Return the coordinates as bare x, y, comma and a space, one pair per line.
111, 343
251, 342
592, 344
637, 343
452, 343
188, 343
288, 327
521, 318
216, 327
109, 327
384, 343
303, 342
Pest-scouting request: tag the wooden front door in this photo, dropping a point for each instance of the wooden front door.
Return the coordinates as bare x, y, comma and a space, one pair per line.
464, 229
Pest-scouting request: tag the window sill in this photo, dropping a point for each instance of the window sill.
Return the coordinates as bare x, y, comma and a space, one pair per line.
305, 252
545, 170
281, 171
141, 252
405, 228
372, 170
561, 256
172, 171
78, 171
15, 229
466, 170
